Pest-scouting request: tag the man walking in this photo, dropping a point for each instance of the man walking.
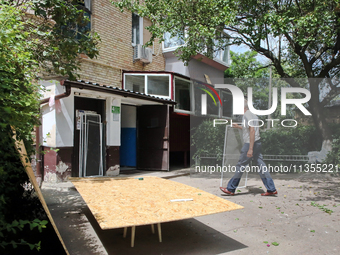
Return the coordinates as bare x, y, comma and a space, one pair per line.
251, 150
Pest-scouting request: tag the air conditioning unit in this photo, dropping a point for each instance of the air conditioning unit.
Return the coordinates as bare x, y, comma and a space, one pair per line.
143, 54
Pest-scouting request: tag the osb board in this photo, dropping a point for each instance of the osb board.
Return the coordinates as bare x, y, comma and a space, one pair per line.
29, 171
124, 202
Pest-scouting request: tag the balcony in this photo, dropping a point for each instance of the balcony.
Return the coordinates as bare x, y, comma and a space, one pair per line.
220, 60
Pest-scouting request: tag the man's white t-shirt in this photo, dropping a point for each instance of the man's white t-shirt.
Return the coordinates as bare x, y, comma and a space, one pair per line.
252, 119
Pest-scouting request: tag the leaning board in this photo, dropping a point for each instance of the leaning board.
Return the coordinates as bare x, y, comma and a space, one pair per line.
125, 202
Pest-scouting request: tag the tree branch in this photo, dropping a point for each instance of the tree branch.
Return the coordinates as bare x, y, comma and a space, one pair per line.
318, 54
328, 67
298, 50
333, 93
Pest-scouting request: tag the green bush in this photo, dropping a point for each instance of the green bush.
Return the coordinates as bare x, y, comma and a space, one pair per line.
333, 157
28, 48
19, 108
290, 141
207, 139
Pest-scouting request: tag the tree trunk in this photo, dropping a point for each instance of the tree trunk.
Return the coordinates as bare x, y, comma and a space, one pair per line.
319, 118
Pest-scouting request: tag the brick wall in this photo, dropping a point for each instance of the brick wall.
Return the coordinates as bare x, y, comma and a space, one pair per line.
115, 49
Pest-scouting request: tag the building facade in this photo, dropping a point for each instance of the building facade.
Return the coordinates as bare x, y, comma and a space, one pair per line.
131, 106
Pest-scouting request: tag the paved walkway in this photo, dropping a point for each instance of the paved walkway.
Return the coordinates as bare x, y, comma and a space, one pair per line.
299, 220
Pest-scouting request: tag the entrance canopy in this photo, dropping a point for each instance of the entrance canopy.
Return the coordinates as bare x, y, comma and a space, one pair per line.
136, 97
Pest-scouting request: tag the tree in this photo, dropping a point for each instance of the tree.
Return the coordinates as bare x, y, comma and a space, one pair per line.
245, 65
245, 69
58, 33
35, 37
307, 35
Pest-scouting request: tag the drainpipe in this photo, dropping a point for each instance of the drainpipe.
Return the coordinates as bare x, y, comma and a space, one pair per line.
37, 131
60, 96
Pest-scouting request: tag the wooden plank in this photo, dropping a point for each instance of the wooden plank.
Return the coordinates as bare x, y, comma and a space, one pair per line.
125, 202
27, 165
133, 232
159, 232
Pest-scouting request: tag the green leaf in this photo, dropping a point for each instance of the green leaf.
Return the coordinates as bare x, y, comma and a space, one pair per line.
15, 223
275, 243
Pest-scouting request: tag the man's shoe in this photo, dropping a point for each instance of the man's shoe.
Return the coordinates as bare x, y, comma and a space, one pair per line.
269, 193
227, 191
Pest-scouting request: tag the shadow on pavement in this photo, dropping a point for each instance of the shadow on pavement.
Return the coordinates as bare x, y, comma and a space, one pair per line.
251, 191
82, 234
323, 188
179, 237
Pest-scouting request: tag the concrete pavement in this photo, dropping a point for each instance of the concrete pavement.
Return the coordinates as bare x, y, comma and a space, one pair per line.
291, 220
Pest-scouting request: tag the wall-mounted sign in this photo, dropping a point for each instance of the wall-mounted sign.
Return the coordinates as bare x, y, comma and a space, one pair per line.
115, 112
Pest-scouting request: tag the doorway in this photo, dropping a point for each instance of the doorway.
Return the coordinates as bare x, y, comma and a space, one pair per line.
153, 137
89, 137
128, 139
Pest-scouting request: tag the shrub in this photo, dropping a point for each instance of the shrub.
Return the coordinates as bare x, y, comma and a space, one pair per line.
290, 141
207, 139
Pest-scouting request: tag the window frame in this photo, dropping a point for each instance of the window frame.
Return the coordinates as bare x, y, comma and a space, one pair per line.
220, 51
141, 28
222, 112
191, 95
87, 13
173, 48
197, 88
146, 83
219, 107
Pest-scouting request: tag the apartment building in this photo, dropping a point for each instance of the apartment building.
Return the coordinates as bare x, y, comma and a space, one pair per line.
131, 107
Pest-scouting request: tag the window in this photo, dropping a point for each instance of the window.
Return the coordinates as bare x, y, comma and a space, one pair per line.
171, 41
135, 83
227, 104
198, 98
151, 84
212, 109
183, 91
158, 85
221, 51
76, 29
222, 55
137, 29
83, 28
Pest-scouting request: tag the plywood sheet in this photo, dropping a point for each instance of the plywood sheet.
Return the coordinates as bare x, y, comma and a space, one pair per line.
124, 202
28, 168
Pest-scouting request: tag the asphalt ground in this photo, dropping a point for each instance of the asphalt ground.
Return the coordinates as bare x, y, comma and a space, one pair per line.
304, 218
